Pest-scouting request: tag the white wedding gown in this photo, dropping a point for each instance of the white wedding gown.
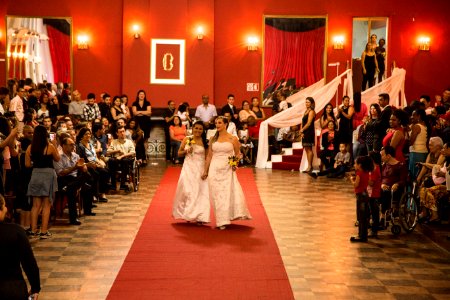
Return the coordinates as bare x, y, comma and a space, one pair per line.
224, 188
192, 195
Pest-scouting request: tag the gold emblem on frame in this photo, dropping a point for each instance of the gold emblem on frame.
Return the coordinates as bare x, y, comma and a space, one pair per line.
167, 62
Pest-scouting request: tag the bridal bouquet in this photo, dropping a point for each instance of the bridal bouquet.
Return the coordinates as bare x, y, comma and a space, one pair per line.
233, 161
190, 141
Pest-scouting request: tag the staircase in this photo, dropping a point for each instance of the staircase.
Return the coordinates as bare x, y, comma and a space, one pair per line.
290, 160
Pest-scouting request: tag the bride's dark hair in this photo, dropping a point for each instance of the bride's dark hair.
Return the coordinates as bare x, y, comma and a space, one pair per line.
204, 140
216, 136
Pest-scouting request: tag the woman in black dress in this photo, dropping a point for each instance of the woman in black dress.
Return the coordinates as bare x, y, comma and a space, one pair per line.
142, 110
369, 66
380, 53
345, 123
307, 132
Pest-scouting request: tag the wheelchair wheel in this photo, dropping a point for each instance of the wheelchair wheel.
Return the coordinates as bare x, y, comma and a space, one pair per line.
135, 178
408, 212
396, 229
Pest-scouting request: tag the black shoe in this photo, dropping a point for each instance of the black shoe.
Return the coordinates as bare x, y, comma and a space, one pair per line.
357, 239
76, 222
103, 199
94, 205
90, 213
313, 175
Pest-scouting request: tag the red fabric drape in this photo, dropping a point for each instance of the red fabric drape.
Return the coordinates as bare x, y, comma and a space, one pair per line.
59, 44
296, 55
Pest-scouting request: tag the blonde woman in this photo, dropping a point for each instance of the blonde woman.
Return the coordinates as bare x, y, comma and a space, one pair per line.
369, 66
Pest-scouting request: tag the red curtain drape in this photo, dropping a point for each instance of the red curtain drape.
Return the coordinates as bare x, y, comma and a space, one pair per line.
296, 55
59, 44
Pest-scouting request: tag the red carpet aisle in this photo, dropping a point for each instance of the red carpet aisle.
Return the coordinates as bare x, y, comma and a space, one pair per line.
177, 260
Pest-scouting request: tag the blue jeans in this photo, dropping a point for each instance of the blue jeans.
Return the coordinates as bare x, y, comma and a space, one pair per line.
415, 157
175, 145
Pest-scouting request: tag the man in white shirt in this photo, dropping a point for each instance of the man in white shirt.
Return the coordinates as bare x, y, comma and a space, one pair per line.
76, 105
122, 154
16, 105
206, 111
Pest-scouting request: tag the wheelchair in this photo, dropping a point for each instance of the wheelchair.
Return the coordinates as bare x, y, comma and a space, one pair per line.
403, 212
130, 175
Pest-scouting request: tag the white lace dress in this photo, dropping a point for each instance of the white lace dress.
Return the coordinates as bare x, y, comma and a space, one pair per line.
224, 188
192, 195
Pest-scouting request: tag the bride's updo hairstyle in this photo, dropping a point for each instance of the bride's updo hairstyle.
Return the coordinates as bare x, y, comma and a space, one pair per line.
216, 136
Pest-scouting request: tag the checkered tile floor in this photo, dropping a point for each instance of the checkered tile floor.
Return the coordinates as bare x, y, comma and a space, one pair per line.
312, 221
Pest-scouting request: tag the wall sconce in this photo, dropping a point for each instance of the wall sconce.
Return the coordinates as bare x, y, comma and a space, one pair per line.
136, 30
252, 43
424, 43
200, 33
338, 42
83, 42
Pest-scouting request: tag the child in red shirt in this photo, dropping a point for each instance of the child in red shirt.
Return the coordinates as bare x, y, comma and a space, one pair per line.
363, 165
374, 190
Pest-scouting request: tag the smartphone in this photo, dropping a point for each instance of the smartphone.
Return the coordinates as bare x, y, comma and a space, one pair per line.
52, 136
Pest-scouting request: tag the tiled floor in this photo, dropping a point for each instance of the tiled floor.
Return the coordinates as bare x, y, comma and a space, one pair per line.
312, 221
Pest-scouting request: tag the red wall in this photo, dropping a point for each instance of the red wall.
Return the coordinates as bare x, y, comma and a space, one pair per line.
220, 63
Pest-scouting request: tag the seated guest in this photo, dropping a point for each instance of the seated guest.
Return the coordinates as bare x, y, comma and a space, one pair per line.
16, 254
246, 144
72, 175
101, 138
259, 112
435, 145
429, 196
122, 154
96, 166
393, 178
211, 130
183, 113
341, 164
138, 138
330, 145
288, 135
231, 128
246, 112
177, 134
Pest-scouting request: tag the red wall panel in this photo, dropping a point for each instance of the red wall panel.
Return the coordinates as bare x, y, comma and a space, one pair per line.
220, 63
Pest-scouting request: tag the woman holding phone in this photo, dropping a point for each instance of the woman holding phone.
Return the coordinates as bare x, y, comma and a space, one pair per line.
43, 184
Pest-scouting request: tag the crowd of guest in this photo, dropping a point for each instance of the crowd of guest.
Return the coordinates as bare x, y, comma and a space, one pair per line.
406, 144
56, 145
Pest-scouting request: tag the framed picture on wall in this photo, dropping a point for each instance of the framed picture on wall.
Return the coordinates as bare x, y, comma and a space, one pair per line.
167, 61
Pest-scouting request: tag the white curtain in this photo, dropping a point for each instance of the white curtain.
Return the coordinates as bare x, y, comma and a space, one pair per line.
292, 116
394, 86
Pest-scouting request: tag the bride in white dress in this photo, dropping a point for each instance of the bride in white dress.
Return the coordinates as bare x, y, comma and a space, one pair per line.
192, 195
225, 191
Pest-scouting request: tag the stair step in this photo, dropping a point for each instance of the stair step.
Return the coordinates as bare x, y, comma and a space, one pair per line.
296, 151
286, 166
297, 145
276, 158
292, 158
287, 151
